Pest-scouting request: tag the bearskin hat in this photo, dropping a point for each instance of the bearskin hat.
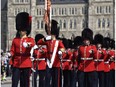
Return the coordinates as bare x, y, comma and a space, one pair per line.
65, 42
23, 22
78, 41
106, 42
70, 43
98, 39
112, 44
54, 28
87, 34
38, 37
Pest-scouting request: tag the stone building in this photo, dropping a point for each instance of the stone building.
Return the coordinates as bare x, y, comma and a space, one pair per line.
73, 16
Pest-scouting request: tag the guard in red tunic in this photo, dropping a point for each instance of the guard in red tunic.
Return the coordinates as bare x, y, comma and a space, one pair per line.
87, 73
98, 58
53, 60
39, 56
74, 75
67, 63
112, 63
20, 51
106, 44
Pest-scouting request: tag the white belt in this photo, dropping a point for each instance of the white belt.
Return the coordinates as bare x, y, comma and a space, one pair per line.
87, 58
100, 60
106, 62
39, 59
66, 60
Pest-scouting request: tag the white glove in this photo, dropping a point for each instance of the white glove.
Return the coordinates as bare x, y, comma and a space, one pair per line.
59, 52
25, 44
48, 38
9, 54
35, 47
32, 59
90, 51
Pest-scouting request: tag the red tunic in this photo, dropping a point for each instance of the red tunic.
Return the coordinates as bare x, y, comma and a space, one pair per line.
86, 63
40, 57
106, 61
112, 59
99, 61
67, 60
20, 54
75, 59
50, 47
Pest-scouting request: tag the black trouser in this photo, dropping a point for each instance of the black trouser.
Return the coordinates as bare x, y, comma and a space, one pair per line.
112, 78
41, 78
107, 79
87, 79
73, 78
100, 75
22, 74
53, 77
67, 78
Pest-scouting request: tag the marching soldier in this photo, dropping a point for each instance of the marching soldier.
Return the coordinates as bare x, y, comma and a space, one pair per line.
99, 59
112, 63
106, 44
67, 63
20, 51
87, 76
77, 42
53, 60
39, 57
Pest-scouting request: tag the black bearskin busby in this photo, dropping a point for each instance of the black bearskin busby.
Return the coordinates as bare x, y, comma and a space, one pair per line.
23, 22
65, 42
78, 41
112, 44
106, 42
54, 28
70, 43
98, 39
87, 34
38, 37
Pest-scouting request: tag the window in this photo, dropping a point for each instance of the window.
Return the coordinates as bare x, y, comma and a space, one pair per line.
106, 9
83, 23
38, 25
16, 0
108, 23
60, 24
75, 10
26, 0
72, 10
100, 9
64, 25
41, 24
99, 23
59, 11
75, 24
103, 23
109, 9
70, 24
69, 10
97, 9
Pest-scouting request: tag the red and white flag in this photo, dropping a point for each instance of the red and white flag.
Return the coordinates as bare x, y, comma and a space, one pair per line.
47, 15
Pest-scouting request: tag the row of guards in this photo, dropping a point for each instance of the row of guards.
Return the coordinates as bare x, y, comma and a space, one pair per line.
60, 62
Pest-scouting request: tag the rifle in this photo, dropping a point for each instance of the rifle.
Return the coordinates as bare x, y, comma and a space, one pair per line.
60, 56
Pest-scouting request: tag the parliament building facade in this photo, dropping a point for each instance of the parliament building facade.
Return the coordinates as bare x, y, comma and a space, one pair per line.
72, 15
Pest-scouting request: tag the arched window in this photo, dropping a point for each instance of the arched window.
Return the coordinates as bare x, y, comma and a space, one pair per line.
100, 9
83, 23
103, 23
97, 9
75, 24
72, 10
108, 23
106, 9
41, 24
109, 9
70, 24
38, 25
64, 25
60, 24
59, 11
99, 23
